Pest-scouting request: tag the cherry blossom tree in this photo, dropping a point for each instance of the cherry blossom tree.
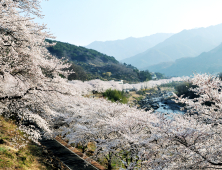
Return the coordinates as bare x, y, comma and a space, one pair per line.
205, 110
26, 67
152, 141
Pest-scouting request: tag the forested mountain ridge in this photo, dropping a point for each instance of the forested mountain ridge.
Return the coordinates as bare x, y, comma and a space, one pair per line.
90, 64
79, 54
187, 43
128, 47
206, 62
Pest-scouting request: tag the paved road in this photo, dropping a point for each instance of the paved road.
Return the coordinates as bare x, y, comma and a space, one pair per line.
66, 156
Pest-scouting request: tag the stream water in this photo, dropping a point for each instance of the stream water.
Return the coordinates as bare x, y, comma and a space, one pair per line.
168, 109
161, 103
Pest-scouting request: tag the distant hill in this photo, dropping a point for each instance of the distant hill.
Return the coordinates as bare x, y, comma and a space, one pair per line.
90, 64
128, 47
206, 62
187, 43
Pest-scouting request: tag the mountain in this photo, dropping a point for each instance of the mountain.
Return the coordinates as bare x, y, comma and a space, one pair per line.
128, 47
206, 62
187, 43
90, 64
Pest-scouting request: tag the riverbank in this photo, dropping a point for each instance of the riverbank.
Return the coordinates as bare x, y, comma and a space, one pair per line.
160, 100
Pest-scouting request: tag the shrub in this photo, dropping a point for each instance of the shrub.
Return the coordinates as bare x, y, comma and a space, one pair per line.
115, 95
183, 89
141, 92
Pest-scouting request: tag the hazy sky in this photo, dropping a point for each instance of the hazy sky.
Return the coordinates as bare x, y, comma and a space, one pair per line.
81, 22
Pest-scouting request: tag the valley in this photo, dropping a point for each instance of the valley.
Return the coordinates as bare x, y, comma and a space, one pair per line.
137, 97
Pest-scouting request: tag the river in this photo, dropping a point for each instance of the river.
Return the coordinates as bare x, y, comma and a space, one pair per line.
161, 103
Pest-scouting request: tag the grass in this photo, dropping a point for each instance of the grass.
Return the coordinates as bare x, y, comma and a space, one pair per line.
12, 155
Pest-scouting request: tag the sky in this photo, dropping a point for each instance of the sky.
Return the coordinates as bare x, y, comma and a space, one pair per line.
81, 22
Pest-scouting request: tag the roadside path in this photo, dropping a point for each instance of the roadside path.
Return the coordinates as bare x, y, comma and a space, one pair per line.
69, 158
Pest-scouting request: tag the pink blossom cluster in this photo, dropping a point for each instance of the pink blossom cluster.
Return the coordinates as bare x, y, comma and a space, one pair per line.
101, 86
159, 143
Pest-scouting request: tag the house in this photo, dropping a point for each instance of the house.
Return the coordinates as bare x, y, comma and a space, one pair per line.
120, 82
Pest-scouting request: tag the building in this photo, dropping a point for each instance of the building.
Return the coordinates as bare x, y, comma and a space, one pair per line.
120, 82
